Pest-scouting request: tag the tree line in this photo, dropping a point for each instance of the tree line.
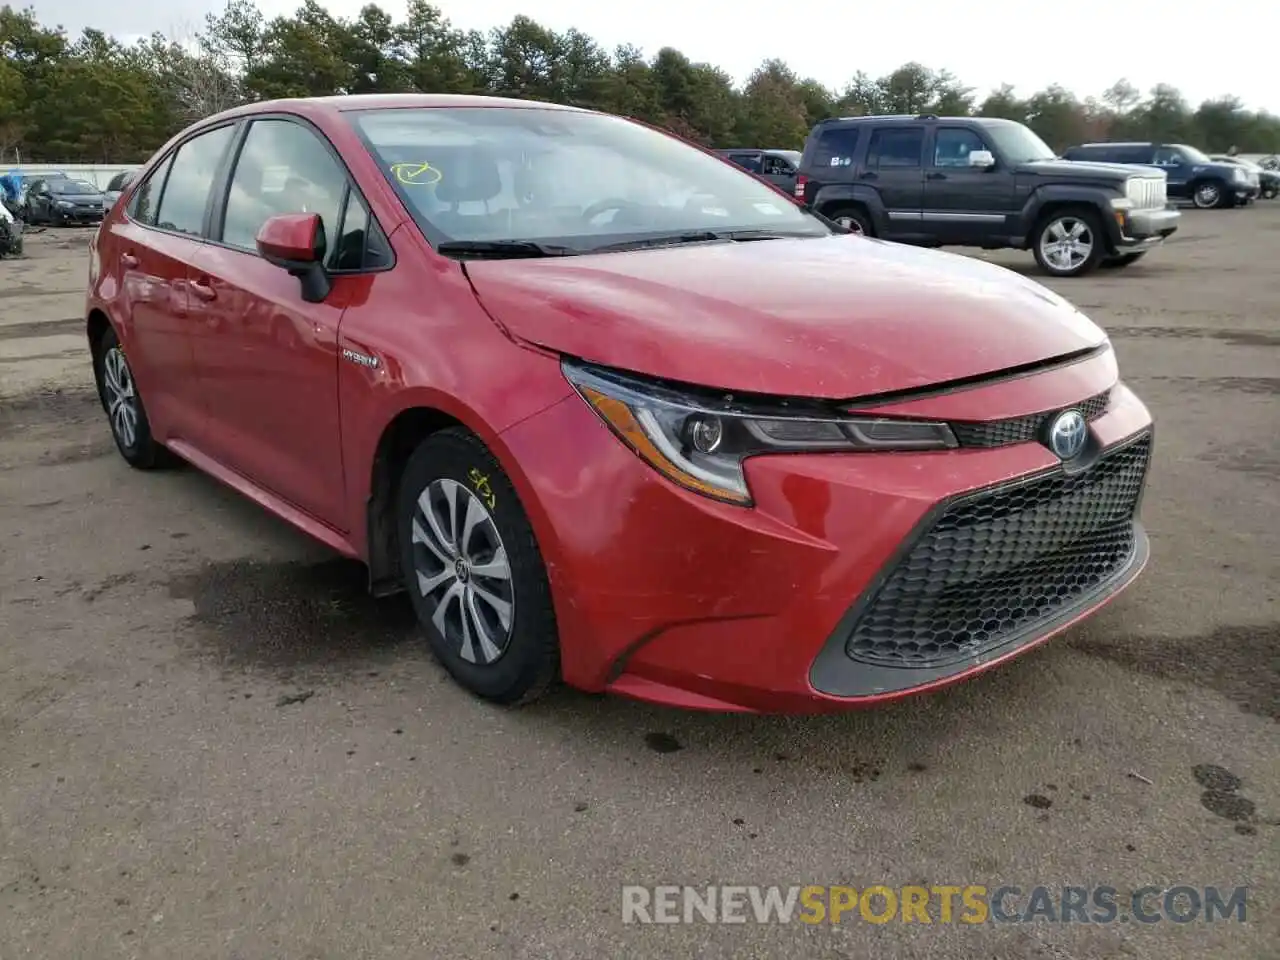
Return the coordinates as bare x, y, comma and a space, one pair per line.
93, 99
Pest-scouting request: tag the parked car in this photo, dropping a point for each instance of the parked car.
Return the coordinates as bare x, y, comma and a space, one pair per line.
612, 410
778, 167
63, 200
1268, 180
115, 186
981, 182
10, 231
1192, 175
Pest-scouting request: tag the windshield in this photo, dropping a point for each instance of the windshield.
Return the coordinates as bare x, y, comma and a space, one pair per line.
581, 180
1017, 143
792, 155
1192, 154
72, 186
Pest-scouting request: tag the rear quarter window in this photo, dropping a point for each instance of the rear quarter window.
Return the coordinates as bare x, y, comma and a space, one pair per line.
833, 148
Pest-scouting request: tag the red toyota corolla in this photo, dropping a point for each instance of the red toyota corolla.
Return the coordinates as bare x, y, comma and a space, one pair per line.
612, 410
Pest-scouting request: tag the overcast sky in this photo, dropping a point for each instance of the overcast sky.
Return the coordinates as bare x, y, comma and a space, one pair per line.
1085, 45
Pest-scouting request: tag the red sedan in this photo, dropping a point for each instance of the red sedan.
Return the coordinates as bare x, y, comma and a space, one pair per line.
612, 410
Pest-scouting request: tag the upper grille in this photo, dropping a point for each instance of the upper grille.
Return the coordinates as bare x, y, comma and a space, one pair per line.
997, 433
1148, 192
995, 564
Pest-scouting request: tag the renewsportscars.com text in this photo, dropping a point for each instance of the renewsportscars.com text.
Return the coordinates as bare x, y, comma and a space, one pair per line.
970, 904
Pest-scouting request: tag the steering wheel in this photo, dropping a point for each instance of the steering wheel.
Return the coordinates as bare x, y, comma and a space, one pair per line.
607, 204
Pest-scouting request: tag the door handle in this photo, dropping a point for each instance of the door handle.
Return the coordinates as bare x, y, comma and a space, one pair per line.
935, 176
129, 260
203, 290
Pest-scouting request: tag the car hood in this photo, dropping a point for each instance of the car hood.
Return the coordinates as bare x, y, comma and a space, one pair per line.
835, 318
1090, 169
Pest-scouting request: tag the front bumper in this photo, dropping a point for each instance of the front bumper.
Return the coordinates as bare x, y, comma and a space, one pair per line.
78, 214
668, 597
1143, 229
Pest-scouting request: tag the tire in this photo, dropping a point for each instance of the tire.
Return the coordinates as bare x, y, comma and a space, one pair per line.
521, 659
1269, 193
855, 218
1055, 229
115, 382
1207, 194
1123, 260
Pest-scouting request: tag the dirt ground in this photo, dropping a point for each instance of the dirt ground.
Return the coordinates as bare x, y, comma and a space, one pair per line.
212, 744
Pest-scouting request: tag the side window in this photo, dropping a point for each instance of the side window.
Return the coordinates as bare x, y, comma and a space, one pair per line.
283, 168
747, 161
898, 147
118, 181
777, 167
835, 148
1134, 155
361, 245
186, 191
953, 145
1167, 157
142, 207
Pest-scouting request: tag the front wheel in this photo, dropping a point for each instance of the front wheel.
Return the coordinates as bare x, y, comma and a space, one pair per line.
1069, 243
1207, 195
474, 572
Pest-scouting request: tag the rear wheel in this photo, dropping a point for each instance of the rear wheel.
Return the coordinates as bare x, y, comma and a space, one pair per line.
854, 219
474, 572
1069, 242
125, 411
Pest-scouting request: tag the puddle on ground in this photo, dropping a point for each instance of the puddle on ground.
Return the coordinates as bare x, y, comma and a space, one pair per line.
297, 618
1241, 662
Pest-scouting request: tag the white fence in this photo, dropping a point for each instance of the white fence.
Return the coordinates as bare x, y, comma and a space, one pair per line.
99, 174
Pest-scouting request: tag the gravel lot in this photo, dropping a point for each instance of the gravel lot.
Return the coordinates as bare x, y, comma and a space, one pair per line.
213, 745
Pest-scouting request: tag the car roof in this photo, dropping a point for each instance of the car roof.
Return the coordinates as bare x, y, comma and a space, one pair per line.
389, 101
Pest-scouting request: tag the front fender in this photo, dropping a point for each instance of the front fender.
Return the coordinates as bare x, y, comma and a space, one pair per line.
1063, 193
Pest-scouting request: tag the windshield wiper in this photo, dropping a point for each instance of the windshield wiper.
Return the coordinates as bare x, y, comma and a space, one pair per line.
694, 236
502, 249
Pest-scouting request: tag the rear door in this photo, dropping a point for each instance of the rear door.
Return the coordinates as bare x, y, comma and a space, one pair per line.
895, 168
155, 244
963, 203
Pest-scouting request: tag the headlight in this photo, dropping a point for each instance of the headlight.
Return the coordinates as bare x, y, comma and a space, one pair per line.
702, 441
64, 203
1239, 175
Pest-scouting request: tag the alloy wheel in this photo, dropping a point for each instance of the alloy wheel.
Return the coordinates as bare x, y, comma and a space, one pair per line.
850, 223
121, 397
1066, 243
463, 571
1207, 195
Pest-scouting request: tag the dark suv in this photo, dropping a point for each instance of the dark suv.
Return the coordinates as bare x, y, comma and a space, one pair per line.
1192, 175
981, 182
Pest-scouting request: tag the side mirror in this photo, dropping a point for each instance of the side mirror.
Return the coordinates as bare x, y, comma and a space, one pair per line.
295, 243
983, 159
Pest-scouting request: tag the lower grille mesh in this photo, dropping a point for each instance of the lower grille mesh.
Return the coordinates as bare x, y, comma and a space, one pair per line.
993, 565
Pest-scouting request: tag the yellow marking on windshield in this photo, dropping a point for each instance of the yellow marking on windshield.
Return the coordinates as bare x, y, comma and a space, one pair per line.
417, 174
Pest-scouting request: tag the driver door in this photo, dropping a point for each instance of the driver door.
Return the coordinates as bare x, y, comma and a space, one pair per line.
1177, 168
